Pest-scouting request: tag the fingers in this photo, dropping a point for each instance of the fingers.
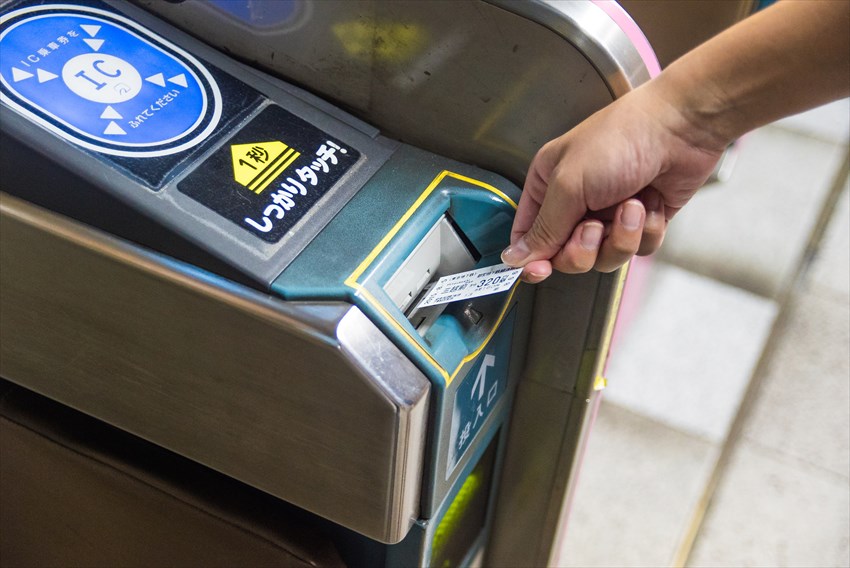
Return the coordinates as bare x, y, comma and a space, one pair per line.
577, 256
527, 210
623, 241
636, 226
655, 224
552, 229
536, 271
589, 247
533, 191
542, 227
580, 253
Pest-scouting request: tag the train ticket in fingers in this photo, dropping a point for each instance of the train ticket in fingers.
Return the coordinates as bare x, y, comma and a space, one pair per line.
472, 284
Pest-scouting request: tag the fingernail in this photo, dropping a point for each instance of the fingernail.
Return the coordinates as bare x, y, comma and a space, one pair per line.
591, 236
516, 253
630, 217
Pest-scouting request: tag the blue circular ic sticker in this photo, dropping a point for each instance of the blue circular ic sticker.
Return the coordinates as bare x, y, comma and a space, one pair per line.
103, 82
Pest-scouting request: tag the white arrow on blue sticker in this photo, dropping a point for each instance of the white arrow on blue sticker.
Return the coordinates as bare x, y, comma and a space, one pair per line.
114, 129
481, 378
110, 113
94, 43
19, 75
44, 76
90, 29
179, 80
158, 79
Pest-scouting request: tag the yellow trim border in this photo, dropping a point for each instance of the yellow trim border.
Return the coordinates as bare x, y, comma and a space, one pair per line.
352, 280
611, 324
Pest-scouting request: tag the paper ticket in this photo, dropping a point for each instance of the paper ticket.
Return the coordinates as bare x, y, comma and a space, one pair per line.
472, 284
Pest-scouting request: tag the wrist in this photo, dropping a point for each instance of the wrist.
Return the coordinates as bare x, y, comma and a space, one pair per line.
696, 110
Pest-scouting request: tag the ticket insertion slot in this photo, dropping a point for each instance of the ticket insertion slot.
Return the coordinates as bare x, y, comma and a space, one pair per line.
441, 252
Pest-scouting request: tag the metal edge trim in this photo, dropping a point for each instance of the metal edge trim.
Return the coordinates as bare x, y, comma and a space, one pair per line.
594, 33
412, 421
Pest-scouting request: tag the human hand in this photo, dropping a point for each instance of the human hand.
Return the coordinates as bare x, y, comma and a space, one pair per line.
605, 191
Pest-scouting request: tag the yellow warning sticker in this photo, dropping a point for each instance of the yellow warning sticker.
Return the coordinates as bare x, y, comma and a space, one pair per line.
257, 165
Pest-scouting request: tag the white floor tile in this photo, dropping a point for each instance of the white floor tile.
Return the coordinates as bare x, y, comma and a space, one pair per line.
802, 408
688, 355
770, 511
752, 229
829, 122
639, 484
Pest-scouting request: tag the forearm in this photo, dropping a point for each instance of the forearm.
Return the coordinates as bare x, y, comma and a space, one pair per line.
788, 58
606, 189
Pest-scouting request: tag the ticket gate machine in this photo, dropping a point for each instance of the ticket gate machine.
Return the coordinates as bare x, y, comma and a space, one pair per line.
256, 309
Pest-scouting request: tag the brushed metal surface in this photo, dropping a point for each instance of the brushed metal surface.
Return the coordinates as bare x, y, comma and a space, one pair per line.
468, 79
593, 32
551, 417
308, 402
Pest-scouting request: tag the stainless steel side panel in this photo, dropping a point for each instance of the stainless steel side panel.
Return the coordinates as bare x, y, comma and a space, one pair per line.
308, 402
551, 416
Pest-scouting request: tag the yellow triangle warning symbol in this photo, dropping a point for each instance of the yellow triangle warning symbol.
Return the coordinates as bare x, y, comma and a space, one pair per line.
257, 165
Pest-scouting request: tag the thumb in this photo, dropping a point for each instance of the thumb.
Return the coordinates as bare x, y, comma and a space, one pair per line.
562, 208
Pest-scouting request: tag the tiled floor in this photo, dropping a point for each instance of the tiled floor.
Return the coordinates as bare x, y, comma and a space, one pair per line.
690, 377
785, 498
722, 307
773, 512
795, 413
751, 230
640, 482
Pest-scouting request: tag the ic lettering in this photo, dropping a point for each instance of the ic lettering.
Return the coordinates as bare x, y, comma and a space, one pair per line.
97, 68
